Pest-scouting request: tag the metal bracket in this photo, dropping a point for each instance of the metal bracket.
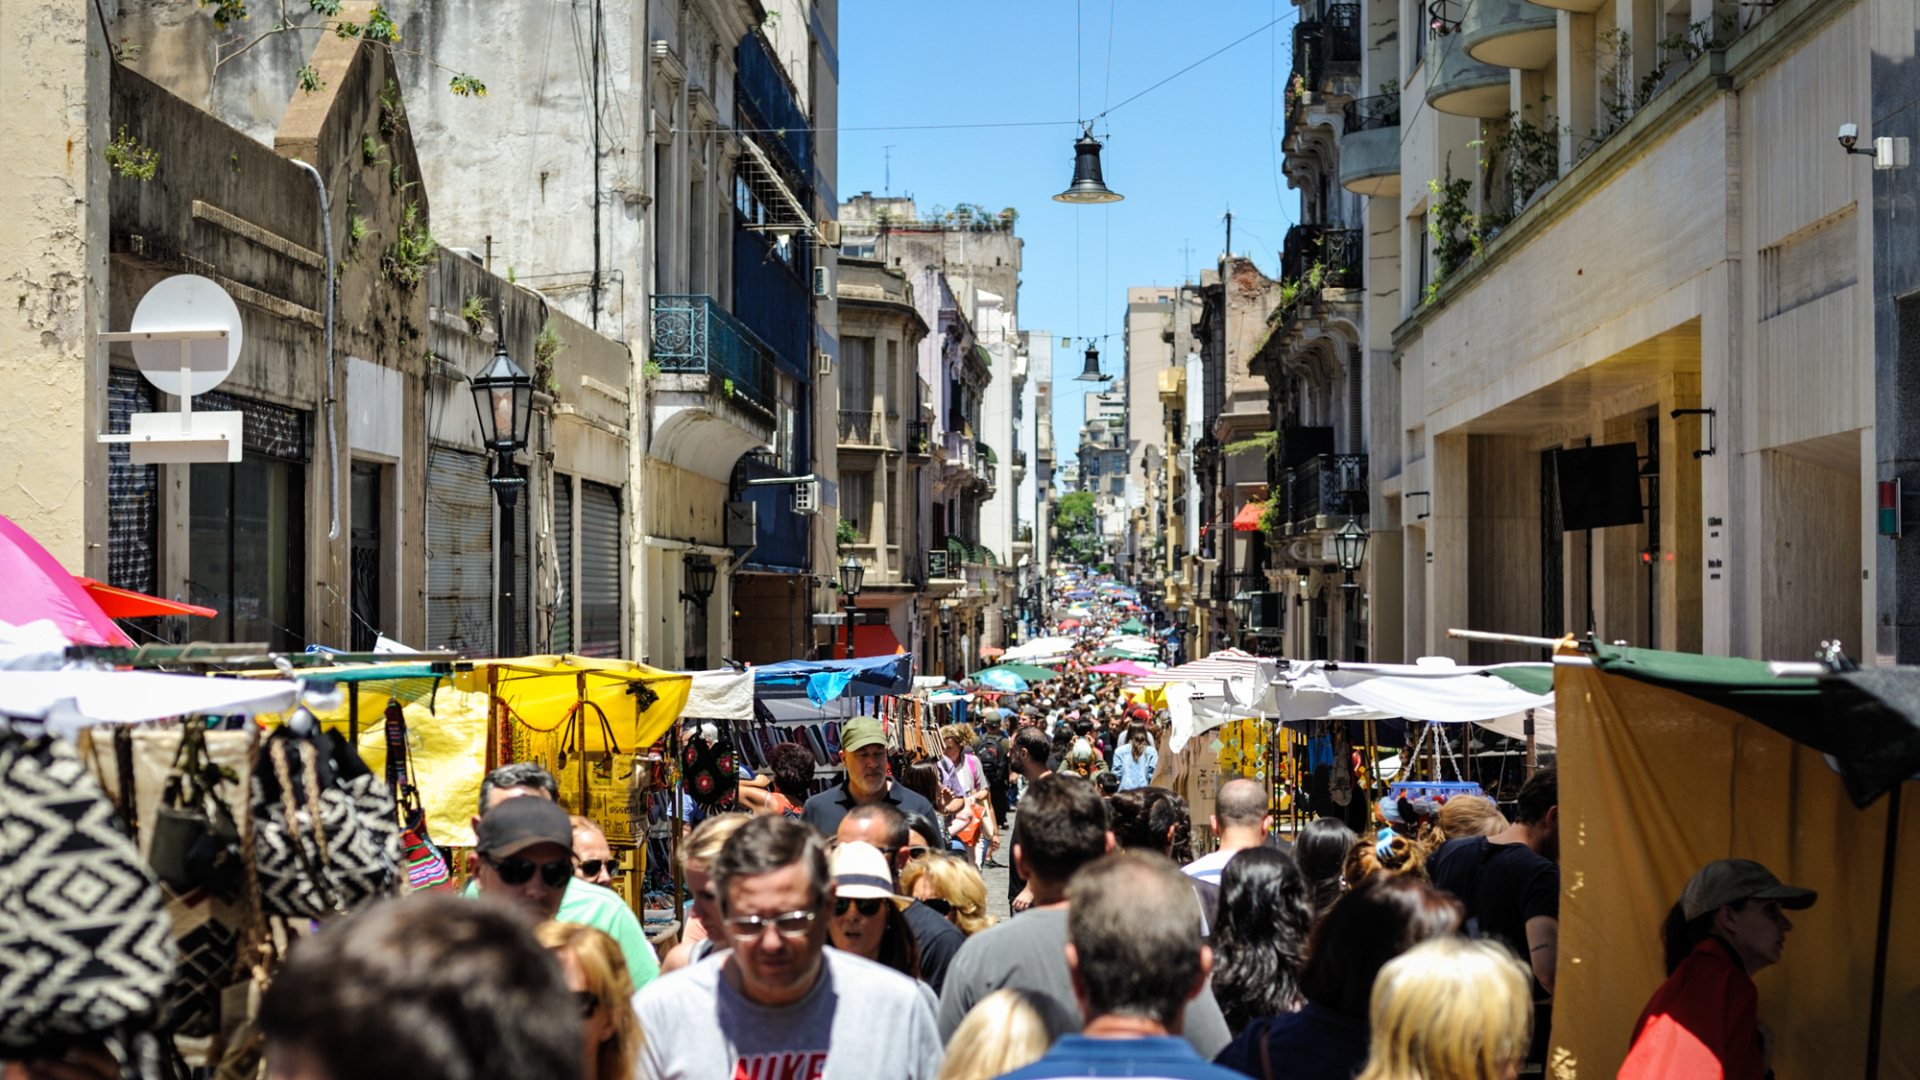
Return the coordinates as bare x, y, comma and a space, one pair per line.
1712, 442
1428, 495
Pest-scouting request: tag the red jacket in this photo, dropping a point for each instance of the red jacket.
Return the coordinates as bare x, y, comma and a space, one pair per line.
1702, 1024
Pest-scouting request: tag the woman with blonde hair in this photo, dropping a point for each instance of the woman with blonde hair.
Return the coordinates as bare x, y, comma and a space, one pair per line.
1464, 815
1005, 1031
951, 887
596, 972
696, 859
1450, 1009
1388, 851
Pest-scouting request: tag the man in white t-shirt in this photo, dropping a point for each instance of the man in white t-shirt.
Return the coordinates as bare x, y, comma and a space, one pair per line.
781, 1003
1241, 820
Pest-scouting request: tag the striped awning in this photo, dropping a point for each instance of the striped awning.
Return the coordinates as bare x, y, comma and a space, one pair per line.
1225, 664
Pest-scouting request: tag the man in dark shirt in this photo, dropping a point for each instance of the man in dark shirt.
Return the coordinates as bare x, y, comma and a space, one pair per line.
884, 827
863, 747
1027, 758
1509, 884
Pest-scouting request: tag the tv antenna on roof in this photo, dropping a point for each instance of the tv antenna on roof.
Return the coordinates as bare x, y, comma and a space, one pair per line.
186, 337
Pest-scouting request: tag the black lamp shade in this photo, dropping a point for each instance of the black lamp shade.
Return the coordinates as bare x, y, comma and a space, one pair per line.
503, 396
852, 575
1242, 605
946, 616
1087, 186
1350, 545
1091, 373
701, 577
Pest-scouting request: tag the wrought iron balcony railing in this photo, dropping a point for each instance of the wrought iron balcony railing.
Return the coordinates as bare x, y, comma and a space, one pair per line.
1340, 35
1339, 254
860, 427
1371, 113
1331, 485
694, 335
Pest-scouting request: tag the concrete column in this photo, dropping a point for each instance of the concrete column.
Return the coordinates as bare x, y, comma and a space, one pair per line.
1574, 84
53, 256
1677, 579
1447, 542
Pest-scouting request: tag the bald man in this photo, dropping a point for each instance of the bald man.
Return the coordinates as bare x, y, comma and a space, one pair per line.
1241, 819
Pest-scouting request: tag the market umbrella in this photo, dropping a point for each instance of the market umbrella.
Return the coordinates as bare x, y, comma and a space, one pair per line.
1133, 626
1122, 667
1031, 672
999, 678
127, 604
1070, 624
38, 587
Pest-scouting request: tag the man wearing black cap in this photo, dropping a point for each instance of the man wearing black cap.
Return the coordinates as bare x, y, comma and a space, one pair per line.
524, 854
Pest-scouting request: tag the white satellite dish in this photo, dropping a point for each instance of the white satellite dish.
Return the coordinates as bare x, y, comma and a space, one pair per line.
187, 302
186, 341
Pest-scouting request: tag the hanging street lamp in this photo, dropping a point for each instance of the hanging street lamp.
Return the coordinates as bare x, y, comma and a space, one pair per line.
1242, 607
1091, 373
1087, 186
503, 397
701, 577
852, 574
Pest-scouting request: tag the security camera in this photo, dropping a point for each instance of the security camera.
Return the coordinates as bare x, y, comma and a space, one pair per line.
1849, 135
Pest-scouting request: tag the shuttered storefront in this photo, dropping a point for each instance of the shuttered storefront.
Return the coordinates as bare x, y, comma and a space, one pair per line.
460, 599
563, 551
599, 570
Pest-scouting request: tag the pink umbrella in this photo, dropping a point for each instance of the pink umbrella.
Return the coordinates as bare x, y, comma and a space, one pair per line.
38, 587
1122, 667
1070, 624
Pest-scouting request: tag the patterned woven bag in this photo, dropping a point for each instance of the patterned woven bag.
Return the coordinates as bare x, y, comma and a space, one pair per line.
326, 836
85, 943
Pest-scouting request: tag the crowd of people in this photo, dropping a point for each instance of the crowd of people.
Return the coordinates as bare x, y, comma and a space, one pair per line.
845, 938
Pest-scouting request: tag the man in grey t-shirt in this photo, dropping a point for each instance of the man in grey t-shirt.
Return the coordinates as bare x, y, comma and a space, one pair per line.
1061, 826
781, 1005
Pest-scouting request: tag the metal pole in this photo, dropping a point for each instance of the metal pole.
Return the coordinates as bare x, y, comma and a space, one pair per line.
849, 610
673, 816
506, 490
353, 715
1533, 760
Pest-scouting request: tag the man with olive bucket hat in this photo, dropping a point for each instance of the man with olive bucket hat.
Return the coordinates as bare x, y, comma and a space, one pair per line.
1704, 1020
863, 746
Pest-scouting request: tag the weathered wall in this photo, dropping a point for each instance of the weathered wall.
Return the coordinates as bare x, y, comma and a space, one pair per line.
53, 257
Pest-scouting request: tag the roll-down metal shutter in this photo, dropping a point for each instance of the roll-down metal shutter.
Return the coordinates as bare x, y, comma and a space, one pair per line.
599, 569
563, 563
460, 597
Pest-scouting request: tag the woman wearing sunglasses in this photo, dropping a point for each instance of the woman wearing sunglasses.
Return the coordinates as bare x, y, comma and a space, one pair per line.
596, 973
867, 919
952, 887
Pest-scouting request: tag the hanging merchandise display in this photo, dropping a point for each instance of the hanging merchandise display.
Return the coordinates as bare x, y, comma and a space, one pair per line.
326, 839
195, 843
711, 770
423, 865
85, 943
1340, 777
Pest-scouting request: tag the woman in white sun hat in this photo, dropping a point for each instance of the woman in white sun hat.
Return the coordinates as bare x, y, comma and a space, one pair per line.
867, 919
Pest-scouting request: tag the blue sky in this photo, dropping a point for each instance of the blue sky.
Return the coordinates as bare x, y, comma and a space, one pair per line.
1182, 154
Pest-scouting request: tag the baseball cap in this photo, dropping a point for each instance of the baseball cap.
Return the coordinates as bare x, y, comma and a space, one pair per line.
1730, 881
859, 732
518, 824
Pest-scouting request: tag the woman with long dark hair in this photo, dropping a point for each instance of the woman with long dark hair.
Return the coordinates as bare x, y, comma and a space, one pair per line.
867, 919
1321, 851
1260, 936
1326, 1039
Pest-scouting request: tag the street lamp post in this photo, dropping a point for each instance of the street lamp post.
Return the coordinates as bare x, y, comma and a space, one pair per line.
1242, 608
701, 575
1350, 547
503, 396
852, 574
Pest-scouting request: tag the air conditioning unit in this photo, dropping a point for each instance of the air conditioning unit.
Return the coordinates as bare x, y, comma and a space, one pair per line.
830, 234
823, 363
820, 282
806, 497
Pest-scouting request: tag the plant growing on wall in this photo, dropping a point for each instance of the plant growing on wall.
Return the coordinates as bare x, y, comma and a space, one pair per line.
546, 346
845, 535
474, 311
413, 250
129, 159
1268, 442
379, 29
1526, 155
1452, 227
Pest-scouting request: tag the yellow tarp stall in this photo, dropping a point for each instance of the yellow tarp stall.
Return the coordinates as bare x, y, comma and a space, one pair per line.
541, 692
1655, 783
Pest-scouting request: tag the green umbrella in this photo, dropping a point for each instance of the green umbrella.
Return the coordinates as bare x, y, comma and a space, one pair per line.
1030, 672
1133, 626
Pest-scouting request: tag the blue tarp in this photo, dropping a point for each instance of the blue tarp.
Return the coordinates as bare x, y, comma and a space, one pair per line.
826, 680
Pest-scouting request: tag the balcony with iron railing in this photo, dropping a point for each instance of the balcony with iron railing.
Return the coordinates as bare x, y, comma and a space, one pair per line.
1370, 146
919, 438
1340, 38
694, 335
1322, 492
1316, 257
863, 428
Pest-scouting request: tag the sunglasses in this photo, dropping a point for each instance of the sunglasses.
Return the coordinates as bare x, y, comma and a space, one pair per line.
588, 1001
865, 905
591, 868
940, 906
794, 924
915, 852
517, 871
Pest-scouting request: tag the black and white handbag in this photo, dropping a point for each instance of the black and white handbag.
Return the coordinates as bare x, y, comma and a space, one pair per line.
326, 839
85, 943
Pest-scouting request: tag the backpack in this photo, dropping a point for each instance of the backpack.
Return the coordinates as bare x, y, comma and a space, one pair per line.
993, 761
1080, 757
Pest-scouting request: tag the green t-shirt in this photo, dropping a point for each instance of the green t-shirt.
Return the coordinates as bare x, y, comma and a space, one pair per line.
601, 908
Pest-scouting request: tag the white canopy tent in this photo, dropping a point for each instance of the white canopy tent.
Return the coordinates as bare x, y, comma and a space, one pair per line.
75, 698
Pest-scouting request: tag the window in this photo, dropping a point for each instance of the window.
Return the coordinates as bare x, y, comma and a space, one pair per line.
893, 509
856, 374
246, 531
891, 375
856, 503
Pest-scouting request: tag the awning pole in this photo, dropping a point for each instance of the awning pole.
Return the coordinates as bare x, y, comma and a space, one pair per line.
353, 715
1533, 755
673, 817
1877, 1008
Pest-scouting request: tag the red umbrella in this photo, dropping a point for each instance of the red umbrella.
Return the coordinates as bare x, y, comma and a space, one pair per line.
127, 604
1070, 624
38, 587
